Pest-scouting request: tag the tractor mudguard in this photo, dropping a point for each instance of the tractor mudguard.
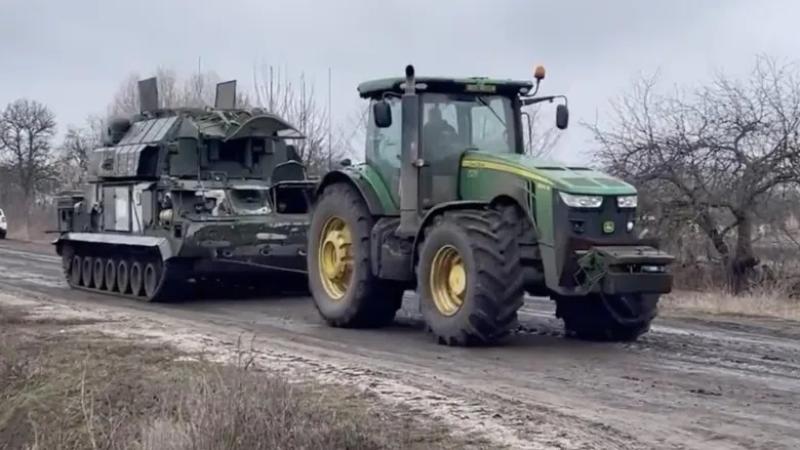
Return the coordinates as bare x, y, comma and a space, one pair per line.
368, 183
438, 209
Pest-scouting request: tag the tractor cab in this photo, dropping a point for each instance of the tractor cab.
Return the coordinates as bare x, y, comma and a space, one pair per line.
441, 120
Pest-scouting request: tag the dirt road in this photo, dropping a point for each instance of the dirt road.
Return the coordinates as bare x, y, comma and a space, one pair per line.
690, 383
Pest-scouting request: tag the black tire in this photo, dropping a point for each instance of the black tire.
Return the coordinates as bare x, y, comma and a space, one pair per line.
367, 301
607, 317
2, 234
87, 268
486, 244
98, 273
110, 275
136, 274
151, 280
123, 276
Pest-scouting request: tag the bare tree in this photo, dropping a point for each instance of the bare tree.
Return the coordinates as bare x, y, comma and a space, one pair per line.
26, 131
76, 148
197, 91
295, 100
712, 155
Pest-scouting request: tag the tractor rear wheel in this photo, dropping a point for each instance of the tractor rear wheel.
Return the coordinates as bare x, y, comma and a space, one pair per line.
345, 291
600, 317
469, 277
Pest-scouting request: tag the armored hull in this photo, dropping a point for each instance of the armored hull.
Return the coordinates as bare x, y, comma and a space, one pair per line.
180, 201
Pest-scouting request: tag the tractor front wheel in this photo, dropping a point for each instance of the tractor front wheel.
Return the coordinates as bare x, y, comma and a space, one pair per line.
600, 317
469, 277
345, 291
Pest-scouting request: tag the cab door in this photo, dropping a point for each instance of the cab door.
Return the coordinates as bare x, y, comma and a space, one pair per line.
383, 150
443, 129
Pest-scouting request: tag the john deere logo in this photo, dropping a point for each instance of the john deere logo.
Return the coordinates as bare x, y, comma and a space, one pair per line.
608, 227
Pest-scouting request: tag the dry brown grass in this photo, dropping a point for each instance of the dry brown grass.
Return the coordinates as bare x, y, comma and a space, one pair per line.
66, 390
764, 303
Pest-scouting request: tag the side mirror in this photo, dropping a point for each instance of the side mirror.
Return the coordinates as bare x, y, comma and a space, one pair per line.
382, 114
562, 117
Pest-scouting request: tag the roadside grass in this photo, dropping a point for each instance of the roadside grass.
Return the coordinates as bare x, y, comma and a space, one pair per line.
774, 303
61, 388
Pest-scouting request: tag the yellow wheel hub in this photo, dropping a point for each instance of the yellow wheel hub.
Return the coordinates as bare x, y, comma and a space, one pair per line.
448, 280
335, 257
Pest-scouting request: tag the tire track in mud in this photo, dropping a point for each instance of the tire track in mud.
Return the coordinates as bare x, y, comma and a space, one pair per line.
689, 383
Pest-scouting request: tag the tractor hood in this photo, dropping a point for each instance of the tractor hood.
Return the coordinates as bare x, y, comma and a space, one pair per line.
571, 179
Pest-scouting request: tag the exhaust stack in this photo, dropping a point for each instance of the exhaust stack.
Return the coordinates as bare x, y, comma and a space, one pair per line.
410, 161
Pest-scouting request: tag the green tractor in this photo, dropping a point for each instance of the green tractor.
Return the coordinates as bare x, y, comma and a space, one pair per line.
447, 203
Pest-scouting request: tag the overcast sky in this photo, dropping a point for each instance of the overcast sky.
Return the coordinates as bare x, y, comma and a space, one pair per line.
72, 55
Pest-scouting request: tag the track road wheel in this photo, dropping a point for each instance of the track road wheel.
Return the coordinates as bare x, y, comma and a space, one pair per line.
111, 275
469, 277
152, 277
98, 273
75, 265
607, 317
86, 271
136, 275
344, 290
123, 276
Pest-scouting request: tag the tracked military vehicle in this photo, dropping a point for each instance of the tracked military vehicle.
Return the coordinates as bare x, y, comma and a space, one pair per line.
187, 196
449, 204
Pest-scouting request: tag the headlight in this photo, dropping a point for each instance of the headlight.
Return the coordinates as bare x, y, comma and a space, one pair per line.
628, 201
581, 201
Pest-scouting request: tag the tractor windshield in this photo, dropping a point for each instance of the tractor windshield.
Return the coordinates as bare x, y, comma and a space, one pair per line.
453, 123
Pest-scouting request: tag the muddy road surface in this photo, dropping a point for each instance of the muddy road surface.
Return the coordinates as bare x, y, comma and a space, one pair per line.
694, 382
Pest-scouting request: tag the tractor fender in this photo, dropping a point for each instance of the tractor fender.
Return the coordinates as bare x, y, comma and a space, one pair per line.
359, 183
464, 204
437, 210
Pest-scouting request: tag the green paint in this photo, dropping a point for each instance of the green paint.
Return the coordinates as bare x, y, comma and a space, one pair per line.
572, 179
486, 184
544, 214
486, 176
370, 179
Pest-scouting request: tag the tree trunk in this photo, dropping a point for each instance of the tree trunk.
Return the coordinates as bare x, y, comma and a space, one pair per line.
741, 265
25, 233
709, 226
